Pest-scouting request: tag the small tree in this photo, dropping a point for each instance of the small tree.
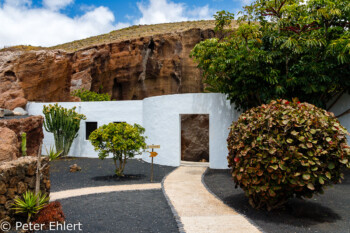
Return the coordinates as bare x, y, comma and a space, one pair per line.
122, 140
64, 124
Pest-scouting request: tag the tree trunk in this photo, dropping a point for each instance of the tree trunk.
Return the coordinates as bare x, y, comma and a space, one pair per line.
38, 173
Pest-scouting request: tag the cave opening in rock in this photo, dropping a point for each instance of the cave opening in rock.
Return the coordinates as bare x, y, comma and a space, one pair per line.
117, 92
195, 137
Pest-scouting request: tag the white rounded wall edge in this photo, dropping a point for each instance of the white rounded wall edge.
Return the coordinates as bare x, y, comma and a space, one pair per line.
160, 116
162, 121
342, 105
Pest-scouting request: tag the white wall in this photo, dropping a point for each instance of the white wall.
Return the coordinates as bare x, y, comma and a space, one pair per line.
341, 106
160, 116
100, 112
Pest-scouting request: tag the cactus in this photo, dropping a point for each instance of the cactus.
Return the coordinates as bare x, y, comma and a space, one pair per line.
24, 144
64, 124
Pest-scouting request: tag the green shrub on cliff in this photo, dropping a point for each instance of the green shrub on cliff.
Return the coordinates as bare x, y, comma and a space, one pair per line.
283, 150
86, 95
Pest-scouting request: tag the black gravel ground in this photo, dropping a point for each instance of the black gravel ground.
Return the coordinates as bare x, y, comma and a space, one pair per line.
96, 172
325, 213
129, 212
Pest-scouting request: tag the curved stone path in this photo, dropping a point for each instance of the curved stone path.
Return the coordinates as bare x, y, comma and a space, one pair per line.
194, 206
197, 208
102, 189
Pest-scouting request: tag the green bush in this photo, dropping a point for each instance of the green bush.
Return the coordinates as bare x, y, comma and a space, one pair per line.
86, 95
122, 140
283, 150
64, 124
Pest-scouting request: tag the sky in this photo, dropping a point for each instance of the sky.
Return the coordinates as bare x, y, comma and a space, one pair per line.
52, 22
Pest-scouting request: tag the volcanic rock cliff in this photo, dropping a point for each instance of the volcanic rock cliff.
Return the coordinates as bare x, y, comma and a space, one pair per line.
128, 70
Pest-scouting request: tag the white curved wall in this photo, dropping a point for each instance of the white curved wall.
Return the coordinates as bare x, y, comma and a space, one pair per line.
161, 118
341, 106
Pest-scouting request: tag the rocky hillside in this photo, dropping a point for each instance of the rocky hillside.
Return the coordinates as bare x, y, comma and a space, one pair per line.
129, 64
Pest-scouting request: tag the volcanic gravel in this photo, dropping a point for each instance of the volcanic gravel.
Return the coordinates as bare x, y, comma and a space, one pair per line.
329, 212
130, 211
96, 172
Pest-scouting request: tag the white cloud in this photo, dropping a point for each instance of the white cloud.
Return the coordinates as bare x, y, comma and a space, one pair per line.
57, 4
21, 24
164, 11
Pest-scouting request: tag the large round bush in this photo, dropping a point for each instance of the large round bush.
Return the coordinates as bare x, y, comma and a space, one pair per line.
284, 150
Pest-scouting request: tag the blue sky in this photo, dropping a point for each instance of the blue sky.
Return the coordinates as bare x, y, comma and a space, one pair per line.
51, 22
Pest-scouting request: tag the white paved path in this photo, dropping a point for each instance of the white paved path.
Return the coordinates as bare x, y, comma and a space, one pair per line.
102, 189
198, 209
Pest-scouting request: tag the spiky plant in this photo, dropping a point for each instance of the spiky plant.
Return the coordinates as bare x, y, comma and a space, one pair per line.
52, 154
28, 203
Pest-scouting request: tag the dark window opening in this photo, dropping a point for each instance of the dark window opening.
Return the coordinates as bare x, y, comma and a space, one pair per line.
90, 127
117, 122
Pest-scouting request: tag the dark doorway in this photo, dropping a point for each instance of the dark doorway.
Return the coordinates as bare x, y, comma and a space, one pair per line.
195, 137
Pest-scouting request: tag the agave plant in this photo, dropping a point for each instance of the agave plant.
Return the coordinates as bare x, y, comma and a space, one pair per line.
30, 203
52, 154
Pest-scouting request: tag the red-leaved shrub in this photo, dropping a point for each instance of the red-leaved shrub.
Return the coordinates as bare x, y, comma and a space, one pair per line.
286, 149
51, 213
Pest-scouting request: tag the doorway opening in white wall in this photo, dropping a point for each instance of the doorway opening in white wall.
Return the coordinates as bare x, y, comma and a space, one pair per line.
195, 137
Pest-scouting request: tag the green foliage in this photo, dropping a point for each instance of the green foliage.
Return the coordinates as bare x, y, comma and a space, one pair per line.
86, 95
30, 203
281, 49
52, 154
64, 124
223, 19
122, 140
284, 150
24, 144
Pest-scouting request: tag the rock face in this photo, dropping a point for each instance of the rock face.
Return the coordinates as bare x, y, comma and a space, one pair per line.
32, 126
8, 145
195, 137
16, 178
33, 76
128, 70
140, 68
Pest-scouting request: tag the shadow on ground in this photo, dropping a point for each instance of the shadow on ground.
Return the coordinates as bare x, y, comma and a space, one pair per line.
323, 213
119, 178
95, 172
